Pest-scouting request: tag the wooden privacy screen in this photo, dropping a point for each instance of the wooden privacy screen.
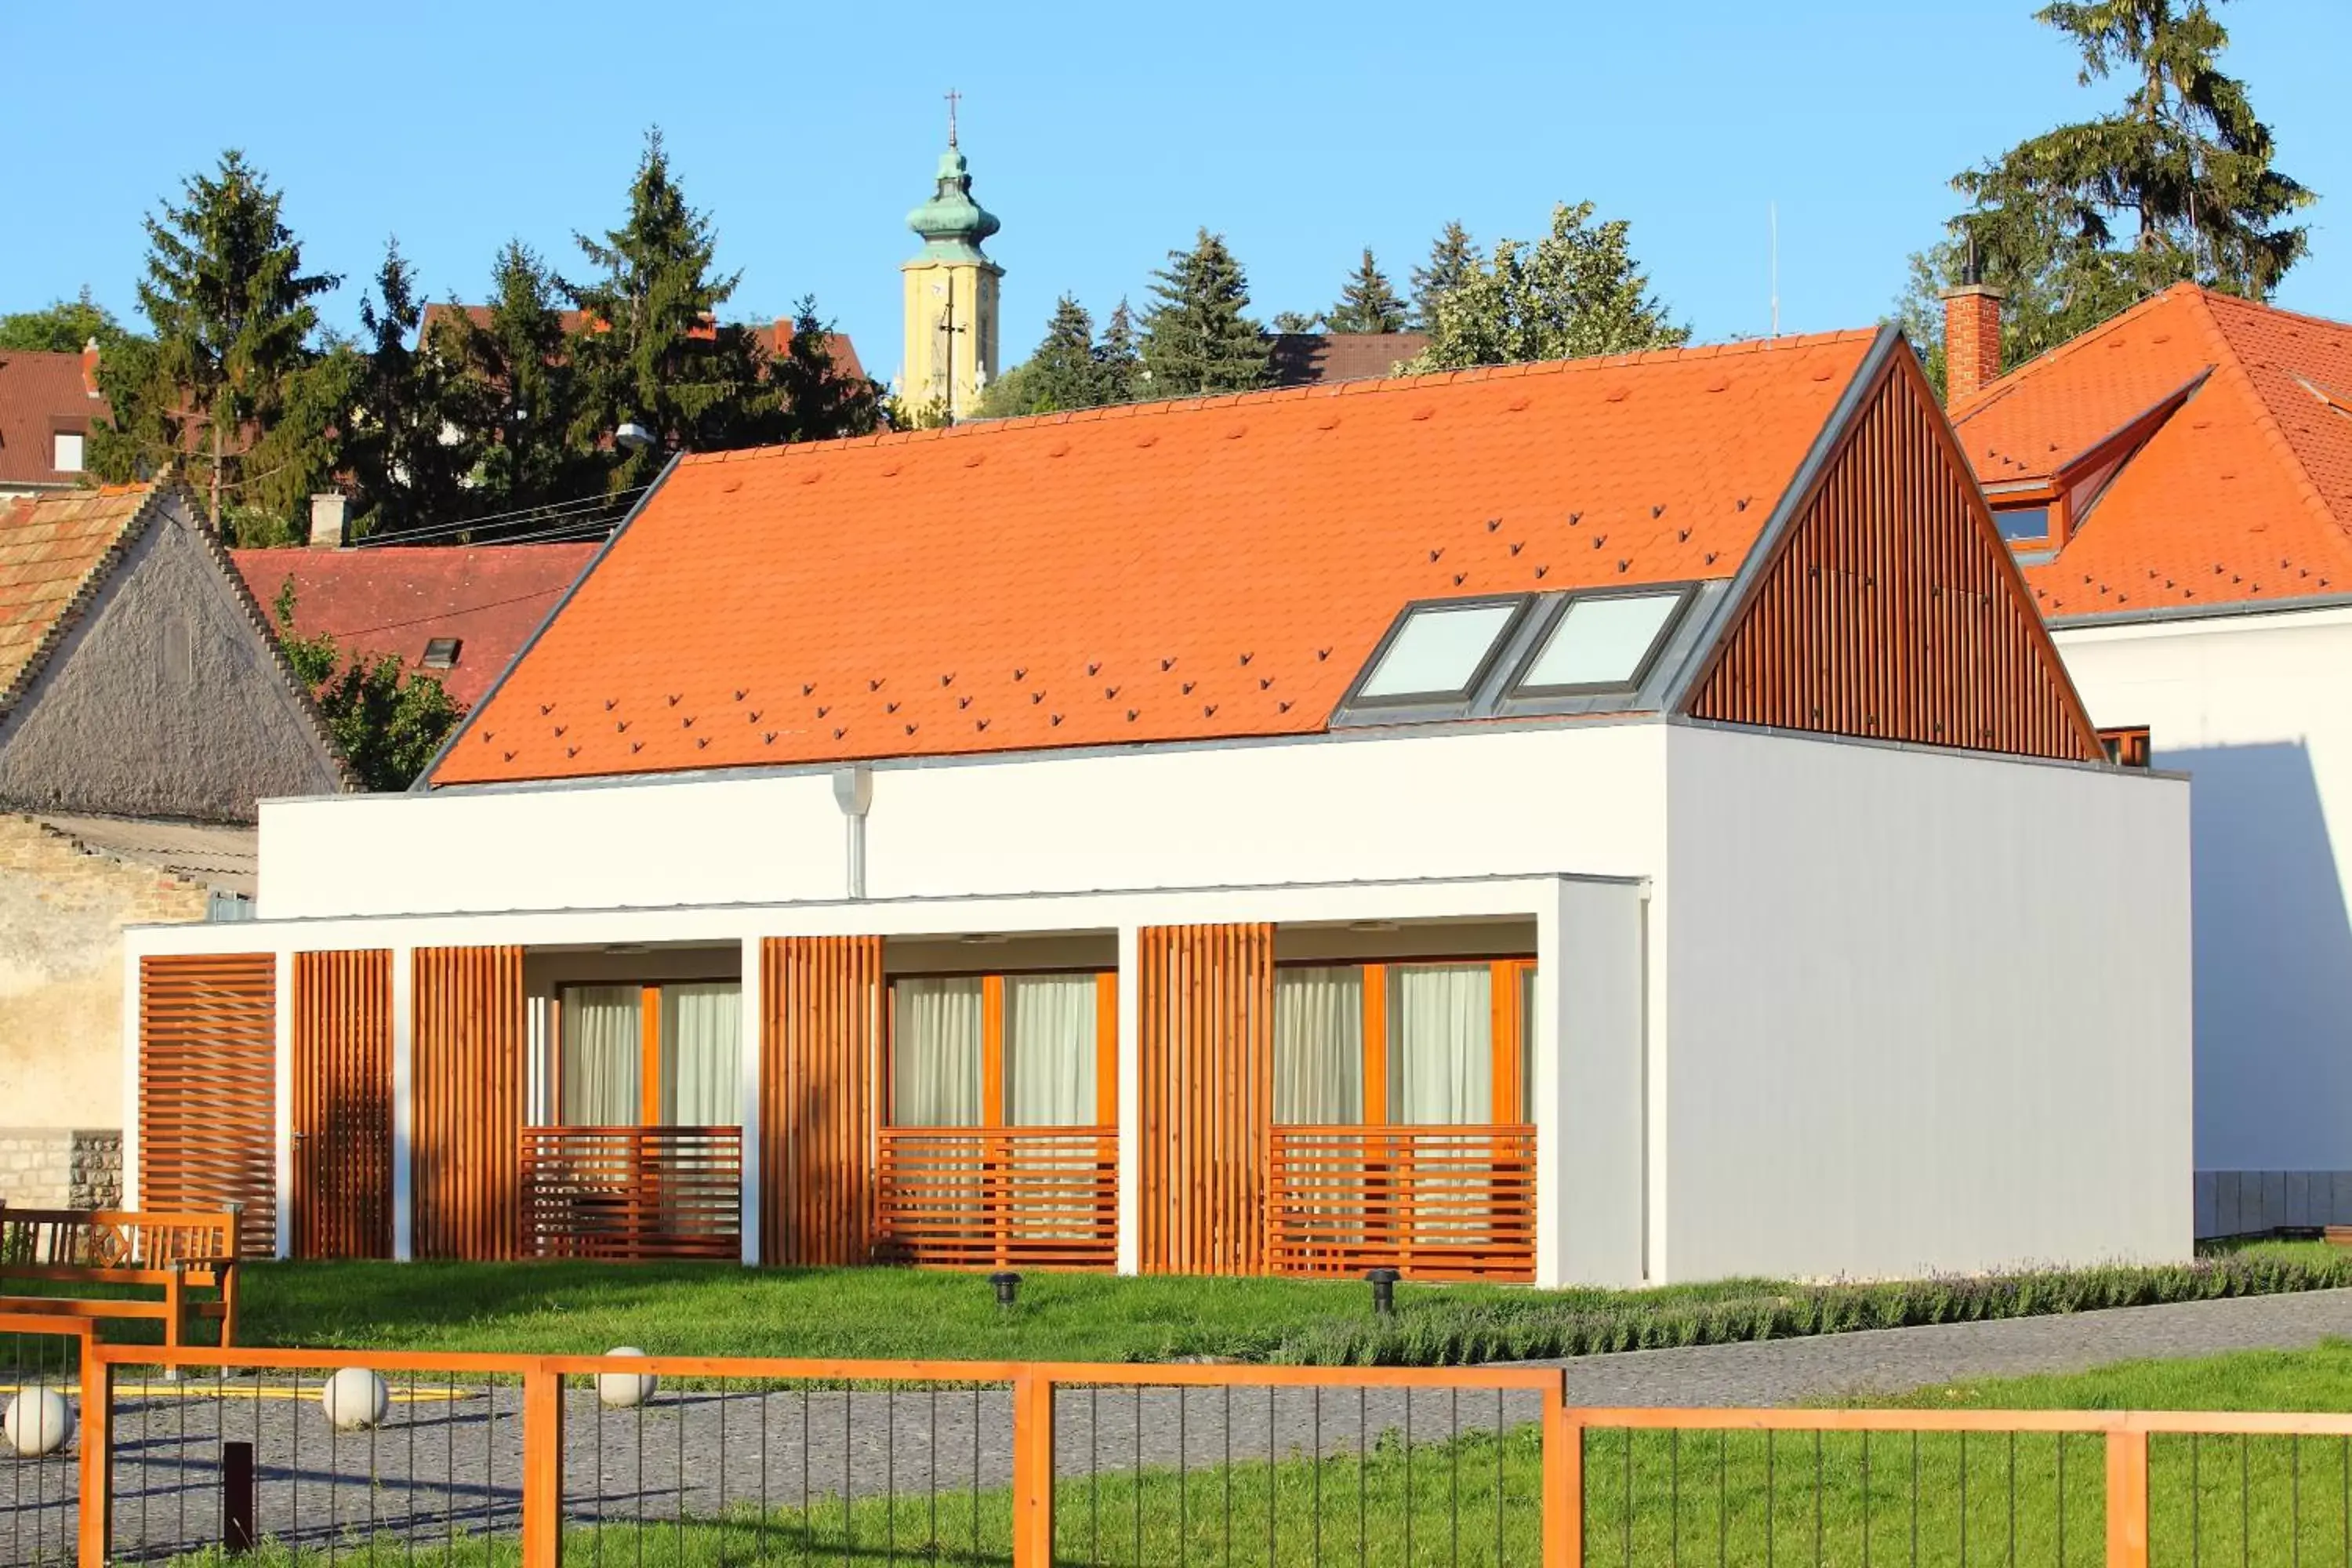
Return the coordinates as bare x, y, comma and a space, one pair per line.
208, 1088
1434, 1203
1207, 1007
342, 1114
820, 1063
467, 1035
1894, 611
627, 1193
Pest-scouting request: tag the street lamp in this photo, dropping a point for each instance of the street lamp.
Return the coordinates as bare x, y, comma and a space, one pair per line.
635, 437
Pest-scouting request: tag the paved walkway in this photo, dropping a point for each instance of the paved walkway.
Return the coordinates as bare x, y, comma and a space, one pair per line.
452, 1464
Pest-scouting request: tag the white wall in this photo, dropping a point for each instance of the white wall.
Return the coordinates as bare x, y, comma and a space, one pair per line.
1584, 798
1924, 1012
2257, 708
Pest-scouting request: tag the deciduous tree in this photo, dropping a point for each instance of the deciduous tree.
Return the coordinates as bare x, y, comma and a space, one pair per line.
1574, 293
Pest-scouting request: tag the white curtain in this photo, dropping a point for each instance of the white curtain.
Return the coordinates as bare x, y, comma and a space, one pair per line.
701, 1062
935, 1052
1441, 1044
602, 1055
1318, 1047
1049, 1050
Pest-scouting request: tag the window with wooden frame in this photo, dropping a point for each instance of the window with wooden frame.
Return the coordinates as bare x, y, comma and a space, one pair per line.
665, 1054
2127, 746
1441, 1043
1036, 1049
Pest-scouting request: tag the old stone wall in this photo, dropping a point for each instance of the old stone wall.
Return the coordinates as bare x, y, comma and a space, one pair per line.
61, 1167
62, 910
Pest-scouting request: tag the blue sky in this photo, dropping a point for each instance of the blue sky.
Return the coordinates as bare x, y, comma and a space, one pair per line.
1102, 136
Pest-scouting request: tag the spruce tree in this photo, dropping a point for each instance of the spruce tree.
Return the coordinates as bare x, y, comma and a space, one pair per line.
520, 392
1574, 293
652, 350
1367, 302
1198, 336
407, 446
230, 306
1119, 362
816, 399
1452, 260
1063, 373
1295, 321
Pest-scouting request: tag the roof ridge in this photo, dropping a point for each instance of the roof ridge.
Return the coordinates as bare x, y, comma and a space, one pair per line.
2009, 381
2266, 418
1362, 386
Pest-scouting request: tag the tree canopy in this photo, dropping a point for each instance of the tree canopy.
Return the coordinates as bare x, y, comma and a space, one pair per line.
387, 720
1368, 303
1574, 293
1452, 258
1198, 335
63, 327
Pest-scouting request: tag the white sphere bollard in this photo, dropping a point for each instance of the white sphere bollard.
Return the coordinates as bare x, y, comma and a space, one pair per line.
355, 1398
621, 1390
38, 1422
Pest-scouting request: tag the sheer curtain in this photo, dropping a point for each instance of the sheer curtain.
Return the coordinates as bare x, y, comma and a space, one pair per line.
1318, 1047
1441, 1044
701, 1063
935, 1052
1049, 1050
602, 1055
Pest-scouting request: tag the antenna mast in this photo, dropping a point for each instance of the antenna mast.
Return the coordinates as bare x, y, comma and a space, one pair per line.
1772, 210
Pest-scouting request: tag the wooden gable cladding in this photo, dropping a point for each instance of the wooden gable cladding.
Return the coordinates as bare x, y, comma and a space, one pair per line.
820, 1105
1207, 1011
208, 1088
468, 1034
1890, 609
341, 1109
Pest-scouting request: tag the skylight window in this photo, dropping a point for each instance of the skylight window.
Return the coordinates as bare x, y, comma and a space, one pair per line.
441, 653
1603, 642
2027, 526
1438, 651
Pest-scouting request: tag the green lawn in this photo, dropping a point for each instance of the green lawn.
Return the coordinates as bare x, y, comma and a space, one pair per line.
1653, 1501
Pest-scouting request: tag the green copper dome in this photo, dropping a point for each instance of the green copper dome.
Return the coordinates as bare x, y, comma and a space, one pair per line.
952, 225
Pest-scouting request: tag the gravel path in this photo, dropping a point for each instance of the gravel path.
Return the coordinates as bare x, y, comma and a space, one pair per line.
443, 1464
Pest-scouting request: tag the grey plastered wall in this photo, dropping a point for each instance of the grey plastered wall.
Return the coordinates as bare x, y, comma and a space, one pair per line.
167, 699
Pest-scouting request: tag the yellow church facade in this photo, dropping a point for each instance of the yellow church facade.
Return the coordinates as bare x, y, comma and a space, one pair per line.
950, 289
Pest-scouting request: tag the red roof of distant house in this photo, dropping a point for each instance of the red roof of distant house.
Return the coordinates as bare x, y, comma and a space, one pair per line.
777, 340
1309, 359
397, 599
43, 395
1144, 573
2241, 491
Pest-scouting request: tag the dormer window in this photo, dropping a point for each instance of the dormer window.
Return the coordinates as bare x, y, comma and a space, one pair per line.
1437, 652
65, 451
2024, 527
1602, 642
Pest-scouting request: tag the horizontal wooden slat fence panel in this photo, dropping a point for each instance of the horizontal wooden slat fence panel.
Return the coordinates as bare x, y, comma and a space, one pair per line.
341, 1083
1434, 1203
627, 1193
468, 1084
1207, 1011
208, 1087
999, 1197
820, 1064
1892, 609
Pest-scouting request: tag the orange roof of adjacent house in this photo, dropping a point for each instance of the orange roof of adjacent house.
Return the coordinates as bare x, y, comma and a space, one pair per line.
2243, 492
54, 551
1188, 571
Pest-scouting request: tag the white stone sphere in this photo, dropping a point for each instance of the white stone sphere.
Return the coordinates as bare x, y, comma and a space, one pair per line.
39, 1421
355, 1398
621, 1389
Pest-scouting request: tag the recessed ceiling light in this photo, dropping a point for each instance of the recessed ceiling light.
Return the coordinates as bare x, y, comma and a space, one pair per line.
983, 938
1371, 925
626, 949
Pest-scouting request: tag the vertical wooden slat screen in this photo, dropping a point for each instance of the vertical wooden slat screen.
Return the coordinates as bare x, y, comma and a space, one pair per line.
341, 1084
208, 1087
467, 1133
1894, 611
820, 1101
1207, 1010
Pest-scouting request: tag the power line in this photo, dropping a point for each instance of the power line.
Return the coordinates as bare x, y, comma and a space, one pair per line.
582, 511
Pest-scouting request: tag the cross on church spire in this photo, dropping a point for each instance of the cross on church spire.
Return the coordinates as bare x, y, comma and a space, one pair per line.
952, 96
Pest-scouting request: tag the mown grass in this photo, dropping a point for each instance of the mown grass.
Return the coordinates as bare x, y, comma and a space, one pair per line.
1653, 1499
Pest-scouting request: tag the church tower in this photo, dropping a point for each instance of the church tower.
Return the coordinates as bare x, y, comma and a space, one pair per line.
950, 296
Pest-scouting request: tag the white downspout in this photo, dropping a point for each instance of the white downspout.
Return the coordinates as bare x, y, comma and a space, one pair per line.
853, 791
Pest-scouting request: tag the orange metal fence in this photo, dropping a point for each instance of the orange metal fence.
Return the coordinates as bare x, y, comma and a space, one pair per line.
626, 1193
1434, 1203
998, 1197
1043, 1423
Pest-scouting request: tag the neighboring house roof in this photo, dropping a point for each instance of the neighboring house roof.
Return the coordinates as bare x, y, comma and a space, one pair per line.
1205, 570
42, 395
55, 550
2210, 441
777, 339
1308, 359
218, 854
395, 599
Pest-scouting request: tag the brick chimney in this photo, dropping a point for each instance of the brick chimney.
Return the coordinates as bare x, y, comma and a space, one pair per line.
89, 368
1971, 340
326, 511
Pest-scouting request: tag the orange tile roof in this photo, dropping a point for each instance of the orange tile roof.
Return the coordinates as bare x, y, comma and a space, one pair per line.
54, 551
2243, 495
1167, 571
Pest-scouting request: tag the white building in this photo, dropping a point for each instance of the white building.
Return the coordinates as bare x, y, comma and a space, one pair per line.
2177, 486
1597, 822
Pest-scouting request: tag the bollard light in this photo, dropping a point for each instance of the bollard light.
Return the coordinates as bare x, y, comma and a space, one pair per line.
1007, 1284
1383, 1284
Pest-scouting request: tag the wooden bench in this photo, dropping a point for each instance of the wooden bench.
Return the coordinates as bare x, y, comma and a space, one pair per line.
191, 1256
